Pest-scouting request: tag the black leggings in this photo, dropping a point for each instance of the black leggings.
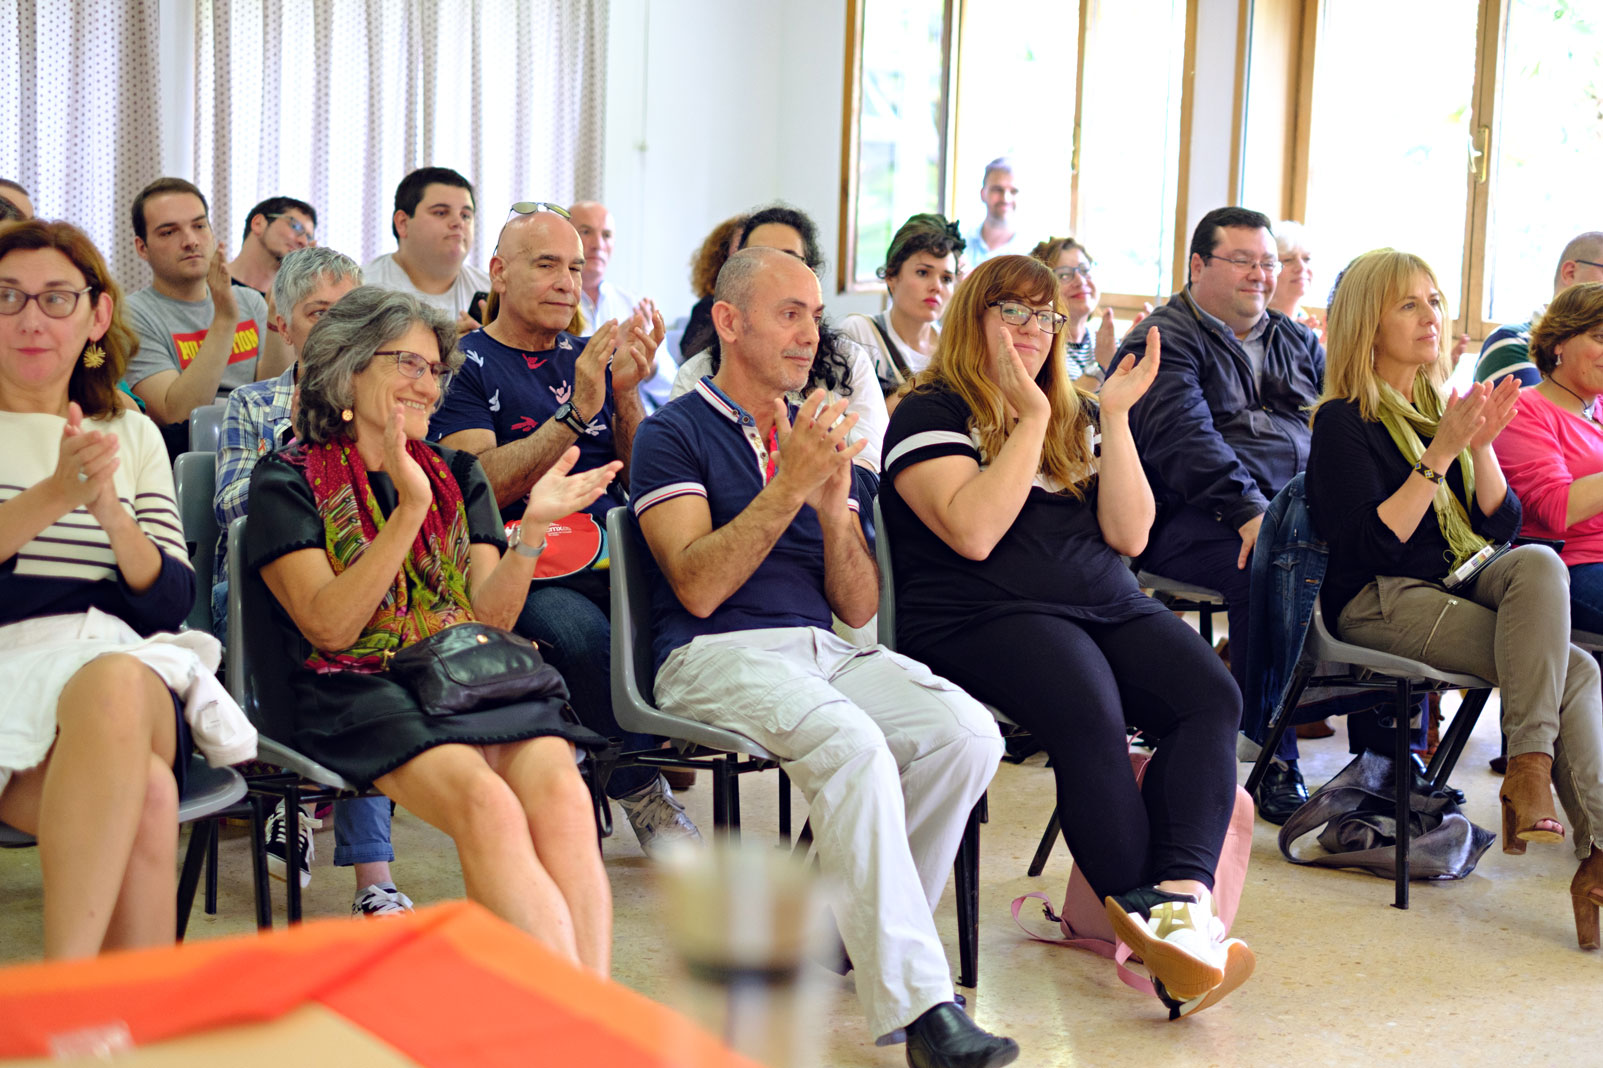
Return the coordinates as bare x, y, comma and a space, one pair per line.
1075, 686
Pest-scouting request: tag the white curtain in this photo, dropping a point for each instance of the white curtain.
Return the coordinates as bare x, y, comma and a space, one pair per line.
80, 123
334, 101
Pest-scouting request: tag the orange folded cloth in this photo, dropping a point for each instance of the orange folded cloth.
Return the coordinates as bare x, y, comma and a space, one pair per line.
449, 986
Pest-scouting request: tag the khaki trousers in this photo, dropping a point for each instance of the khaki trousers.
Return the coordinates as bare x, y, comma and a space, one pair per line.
1510, 626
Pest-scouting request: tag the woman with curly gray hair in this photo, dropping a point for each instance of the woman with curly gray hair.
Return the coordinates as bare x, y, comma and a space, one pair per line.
371, 539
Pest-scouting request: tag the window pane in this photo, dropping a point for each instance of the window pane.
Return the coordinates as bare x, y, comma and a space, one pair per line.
899, 129
1130, 141
1388, 164
1037, 45
1548, 150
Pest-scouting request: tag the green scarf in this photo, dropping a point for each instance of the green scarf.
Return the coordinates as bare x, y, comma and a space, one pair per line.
1405, 423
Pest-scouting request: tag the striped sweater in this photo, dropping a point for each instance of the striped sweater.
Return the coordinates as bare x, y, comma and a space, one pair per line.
69, 566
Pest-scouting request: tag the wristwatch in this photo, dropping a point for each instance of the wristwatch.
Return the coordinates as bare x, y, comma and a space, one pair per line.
569, 417
515, 543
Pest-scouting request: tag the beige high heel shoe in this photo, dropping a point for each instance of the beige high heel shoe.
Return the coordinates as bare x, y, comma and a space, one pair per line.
1586, 894
1527, 797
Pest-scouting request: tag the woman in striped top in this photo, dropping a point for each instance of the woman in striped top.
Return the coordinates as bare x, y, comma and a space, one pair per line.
92, 560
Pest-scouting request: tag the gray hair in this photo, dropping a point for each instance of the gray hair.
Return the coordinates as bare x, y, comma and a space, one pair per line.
301, 271
1290, 235
737, 278
1587, 246
342, 345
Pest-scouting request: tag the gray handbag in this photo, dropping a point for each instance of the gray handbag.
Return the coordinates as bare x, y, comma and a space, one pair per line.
1356, 816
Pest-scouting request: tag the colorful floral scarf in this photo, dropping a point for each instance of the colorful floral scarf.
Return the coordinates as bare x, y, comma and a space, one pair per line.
430, 592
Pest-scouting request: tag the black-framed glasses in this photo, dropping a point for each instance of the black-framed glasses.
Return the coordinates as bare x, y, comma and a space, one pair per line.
294, 224
1016, 314
1065, 273
55, 303
529, 207
1245, 264
414, 365
1589, 263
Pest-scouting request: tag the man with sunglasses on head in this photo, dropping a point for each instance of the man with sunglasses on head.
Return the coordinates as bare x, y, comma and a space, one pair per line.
1507, 350
529, 389
1225, 426
273, 229
433, 225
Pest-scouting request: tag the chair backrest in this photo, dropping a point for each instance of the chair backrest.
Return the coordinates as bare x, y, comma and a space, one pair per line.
206, 427
194, 484
252, 636
887, 580
633, 658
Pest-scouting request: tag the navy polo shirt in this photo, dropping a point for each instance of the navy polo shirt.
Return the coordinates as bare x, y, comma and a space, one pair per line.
511, 392
705, 444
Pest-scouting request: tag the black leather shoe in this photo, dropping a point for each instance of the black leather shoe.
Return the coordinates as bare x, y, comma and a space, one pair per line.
944, 1037
1421, 785
1281, 792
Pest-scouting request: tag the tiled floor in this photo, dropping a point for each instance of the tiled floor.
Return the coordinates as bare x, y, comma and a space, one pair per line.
1480, 971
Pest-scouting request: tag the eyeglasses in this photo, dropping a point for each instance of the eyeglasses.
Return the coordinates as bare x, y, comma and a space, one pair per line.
413, 365
1066, 273
1245, 265
56, 303
529, 207
294, 224
1589, 263
1016, 314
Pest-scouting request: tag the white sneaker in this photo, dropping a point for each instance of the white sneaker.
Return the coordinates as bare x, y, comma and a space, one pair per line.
278, 846
380, 899
658, 818
1176, 936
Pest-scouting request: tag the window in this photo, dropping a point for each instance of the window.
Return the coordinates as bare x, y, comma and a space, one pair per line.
931, 100
1476, 152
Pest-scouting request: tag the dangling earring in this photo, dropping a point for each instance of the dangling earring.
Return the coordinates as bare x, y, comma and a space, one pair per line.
347, 415
1558, 357
94, 357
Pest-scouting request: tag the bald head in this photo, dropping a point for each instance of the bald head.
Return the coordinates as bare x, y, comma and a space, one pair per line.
535, 274
739, 277
594, 223
1580, 260
767, 307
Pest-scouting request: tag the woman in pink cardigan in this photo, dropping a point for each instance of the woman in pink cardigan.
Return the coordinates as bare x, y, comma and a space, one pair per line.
1552, 451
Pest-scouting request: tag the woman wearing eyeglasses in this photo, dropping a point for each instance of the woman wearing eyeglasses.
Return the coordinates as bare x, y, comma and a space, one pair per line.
371, 539
1088, 354
1008, 497
93, 575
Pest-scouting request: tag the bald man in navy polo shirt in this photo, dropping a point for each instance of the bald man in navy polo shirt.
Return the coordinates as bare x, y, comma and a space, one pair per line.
752, 513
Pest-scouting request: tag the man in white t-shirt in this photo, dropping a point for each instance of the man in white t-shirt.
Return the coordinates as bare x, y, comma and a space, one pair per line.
433, 224
998, 235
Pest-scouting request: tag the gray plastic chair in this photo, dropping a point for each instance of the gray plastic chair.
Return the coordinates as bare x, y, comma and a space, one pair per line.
1180, 596
1370, 669
206, 427
194, 485
699, 745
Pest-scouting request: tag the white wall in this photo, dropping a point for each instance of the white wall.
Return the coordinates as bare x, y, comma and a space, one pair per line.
715, 107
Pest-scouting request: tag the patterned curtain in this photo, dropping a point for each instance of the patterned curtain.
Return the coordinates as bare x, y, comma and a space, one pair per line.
334, 101
80, 125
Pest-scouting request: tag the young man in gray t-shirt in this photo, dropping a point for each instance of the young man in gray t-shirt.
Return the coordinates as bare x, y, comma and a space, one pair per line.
199, 335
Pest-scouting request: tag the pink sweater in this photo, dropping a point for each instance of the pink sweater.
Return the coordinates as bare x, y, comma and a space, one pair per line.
1542, 451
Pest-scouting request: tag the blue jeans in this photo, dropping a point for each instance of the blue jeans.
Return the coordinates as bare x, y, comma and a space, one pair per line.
362, 831
575, 626
1586, 597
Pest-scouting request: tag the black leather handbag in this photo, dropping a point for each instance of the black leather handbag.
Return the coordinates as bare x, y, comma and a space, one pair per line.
474, 666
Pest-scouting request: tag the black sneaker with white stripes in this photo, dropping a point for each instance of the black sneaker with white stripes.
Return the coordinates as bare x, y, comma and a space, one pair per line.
278, 846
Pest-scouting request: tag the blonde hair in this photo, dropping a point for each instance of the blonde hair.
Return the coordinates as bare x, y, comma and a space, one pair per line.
962, 364
1364, 291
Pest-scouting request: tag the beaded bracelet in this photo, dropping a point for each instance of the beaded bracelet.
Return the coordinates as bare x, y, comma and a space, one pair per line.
1433, 476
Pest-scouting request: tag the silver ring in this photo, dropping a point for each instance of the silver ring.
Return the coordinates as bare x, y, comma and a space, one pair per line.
82, 477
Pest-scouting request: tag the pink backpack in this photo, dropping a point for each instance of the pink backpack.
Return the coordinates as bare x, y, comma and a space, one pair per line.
1084, 920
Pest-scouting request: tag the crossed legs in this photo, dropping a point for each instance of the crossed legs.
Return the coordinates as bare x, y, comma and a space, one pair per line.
104, 808
520, 816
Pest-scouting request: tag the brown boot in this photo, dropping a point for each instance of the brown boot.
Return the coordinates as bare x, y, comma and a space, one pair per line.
1527, 798
1586, 894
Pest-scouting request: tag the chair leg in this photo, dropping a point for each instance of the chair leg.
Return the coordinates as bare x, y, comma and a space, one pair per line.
967, 879
189, 875
720, 796
784, 808
985, 807
292, 852
733, 805
1404, 782
1280, 720
1205, 624
1049, 838
1458, 732
258, 862
213, 832
804, 841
